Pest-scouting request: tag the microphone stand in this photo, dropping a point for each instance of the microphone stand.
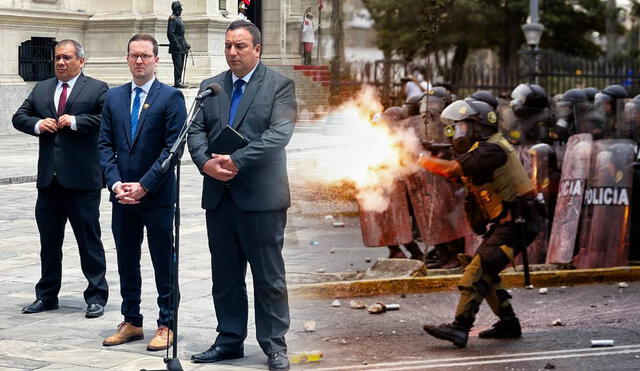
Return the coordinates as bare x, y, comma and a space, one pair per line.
175, 153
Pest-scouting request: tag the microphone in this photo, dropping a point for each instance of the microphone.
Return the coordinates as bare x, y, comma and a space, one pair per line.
212, 90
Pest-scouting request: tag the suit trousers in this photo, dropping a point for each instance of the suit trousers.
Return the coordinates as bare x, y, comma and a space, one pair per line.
178, 66
54, 206
128, 223
235, 238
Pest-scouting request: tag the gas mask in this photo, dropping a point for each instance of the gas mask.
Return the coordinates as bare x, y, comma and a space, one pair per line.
463, 138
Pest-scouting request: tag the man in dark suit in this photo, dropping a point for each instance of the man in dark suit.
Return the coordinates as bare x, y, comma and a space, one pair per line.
246, 196
64, 112
140, 122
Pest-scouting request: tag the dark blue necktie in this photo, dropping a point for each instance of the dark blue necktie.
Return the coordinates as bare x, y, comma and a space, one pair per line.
134, 113
235, 100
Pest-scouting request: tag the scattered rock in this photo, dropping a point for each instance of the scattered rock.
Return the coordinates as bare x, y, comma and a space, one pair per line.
343, 342
543, 291
402, 321
364, 363
593, 306
355, 304
326, 339
333, 251
368, 260
403, 295
328, 216
338, 224
549, 366
321, 270
309, 326
314, 243
623, 285
377, 308
393, 332
557, 322
335, 303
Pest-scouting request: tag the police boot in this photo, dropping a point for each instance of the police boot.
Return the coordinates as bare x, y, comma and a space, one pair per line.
441, 257
453, 332
507, 328
415, 251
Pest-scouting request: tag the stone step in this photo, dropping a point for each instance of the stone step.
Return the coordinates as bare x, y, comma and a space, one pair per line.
299, 67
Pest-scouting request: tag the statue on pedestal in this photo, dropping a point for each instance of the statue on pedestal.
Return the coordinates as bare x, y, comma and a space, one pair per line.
178, 46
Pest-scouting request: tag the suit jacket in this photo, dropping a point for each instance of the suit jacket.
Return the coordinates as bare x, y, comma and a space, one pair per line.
266, 116
159, 125
71, 155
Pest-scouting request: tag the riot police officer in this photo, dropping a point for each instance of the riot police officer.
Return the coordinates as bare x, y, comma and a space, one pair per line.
590, 92
527, 118
609, 103
178, 46
485, 96
499, 195
573, 105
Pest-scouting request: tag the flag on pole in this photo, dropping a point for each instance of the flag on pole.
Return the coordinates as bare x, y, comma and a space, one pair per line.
320, 4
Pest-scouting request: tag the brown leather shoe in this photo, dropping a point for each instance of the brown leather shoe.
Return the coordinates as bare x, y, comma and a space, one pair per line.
125, 333
162, 340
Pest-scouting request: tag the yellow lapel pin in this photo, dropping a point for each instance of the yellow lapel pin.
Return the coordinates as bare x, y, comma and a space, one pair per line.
146, 106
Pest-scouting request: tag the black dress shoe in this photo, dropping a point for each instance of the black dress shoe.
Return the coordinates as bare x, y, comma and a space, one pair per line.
180, 85
217, 353
39, 306
94, 310
278, 361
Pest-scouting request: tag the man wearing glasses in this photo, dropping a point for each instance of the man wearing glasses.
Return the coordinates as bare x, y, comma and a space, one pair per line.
64, 113
140, 122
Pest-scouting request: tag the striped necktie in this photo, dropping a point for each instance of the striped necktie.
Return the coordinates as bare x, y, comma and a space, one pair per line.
134, 113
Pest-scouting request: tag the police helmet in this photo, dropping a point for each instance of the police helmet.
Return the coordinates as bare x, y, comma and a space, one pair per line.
472, 110
574, 96
590, 92
412, 105
175, 4
527, 99
616, 91
485, 96
441, 92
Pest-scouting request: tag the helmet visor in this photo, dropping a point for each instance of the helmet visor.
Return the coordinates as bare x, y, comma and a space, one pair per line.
457, 111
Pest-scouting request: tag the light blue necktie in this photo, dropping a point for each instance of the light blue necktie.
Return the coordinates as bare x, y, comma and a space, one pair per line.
134, 113
235, 100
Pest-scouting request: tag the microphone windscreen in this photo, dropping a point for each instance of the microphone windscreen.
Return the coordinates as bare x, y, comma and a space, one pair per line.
215, 88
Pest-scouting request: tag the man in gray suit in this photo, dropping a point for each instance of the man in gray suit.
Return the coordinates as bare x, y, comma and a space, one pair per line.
246, 196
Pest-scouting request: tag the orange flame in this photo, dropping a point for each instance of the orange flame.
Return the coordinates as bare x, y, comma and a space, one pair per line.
371, 155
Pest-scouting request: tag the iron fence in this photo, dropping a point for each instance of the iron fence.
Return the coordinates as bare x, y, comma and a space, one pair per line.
35, 59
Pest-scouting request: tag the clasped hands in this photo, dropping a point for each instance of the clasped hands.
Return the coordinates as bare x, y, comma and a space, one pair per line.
50, 125
220, 167
129, 193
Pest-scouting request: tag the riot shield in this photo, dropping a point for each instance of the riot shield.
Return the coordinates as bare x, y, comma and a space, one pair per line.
437, 207
418, 124
389, 227
629, 128
523, 130
435, 128
590, 120
545, 177
431, 103
604, 226
575, 171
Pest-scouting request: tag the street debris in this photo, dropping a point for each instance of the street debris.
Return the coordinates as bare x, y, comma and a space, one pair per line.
368, 260
379, 307
543, 291
623, 285
557, 322
314, 243
402, 321
355, 304
328, 216
529, 287
549, 366
309, 326
321, 270
403, 295
338, 224
601, 343
335, 303
333, 251
343, 342
306, 357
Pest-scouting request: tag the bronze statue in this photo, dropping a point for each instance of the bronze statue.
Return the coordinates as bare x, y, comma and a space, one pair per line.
178, 46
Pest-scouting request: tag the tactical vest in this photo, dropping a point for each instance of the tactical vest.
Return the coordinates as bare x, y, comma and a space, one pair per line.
509, 181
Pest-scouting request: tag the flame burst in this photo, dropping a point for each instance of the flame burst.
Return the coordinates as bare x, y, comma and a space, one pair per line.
370, 154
